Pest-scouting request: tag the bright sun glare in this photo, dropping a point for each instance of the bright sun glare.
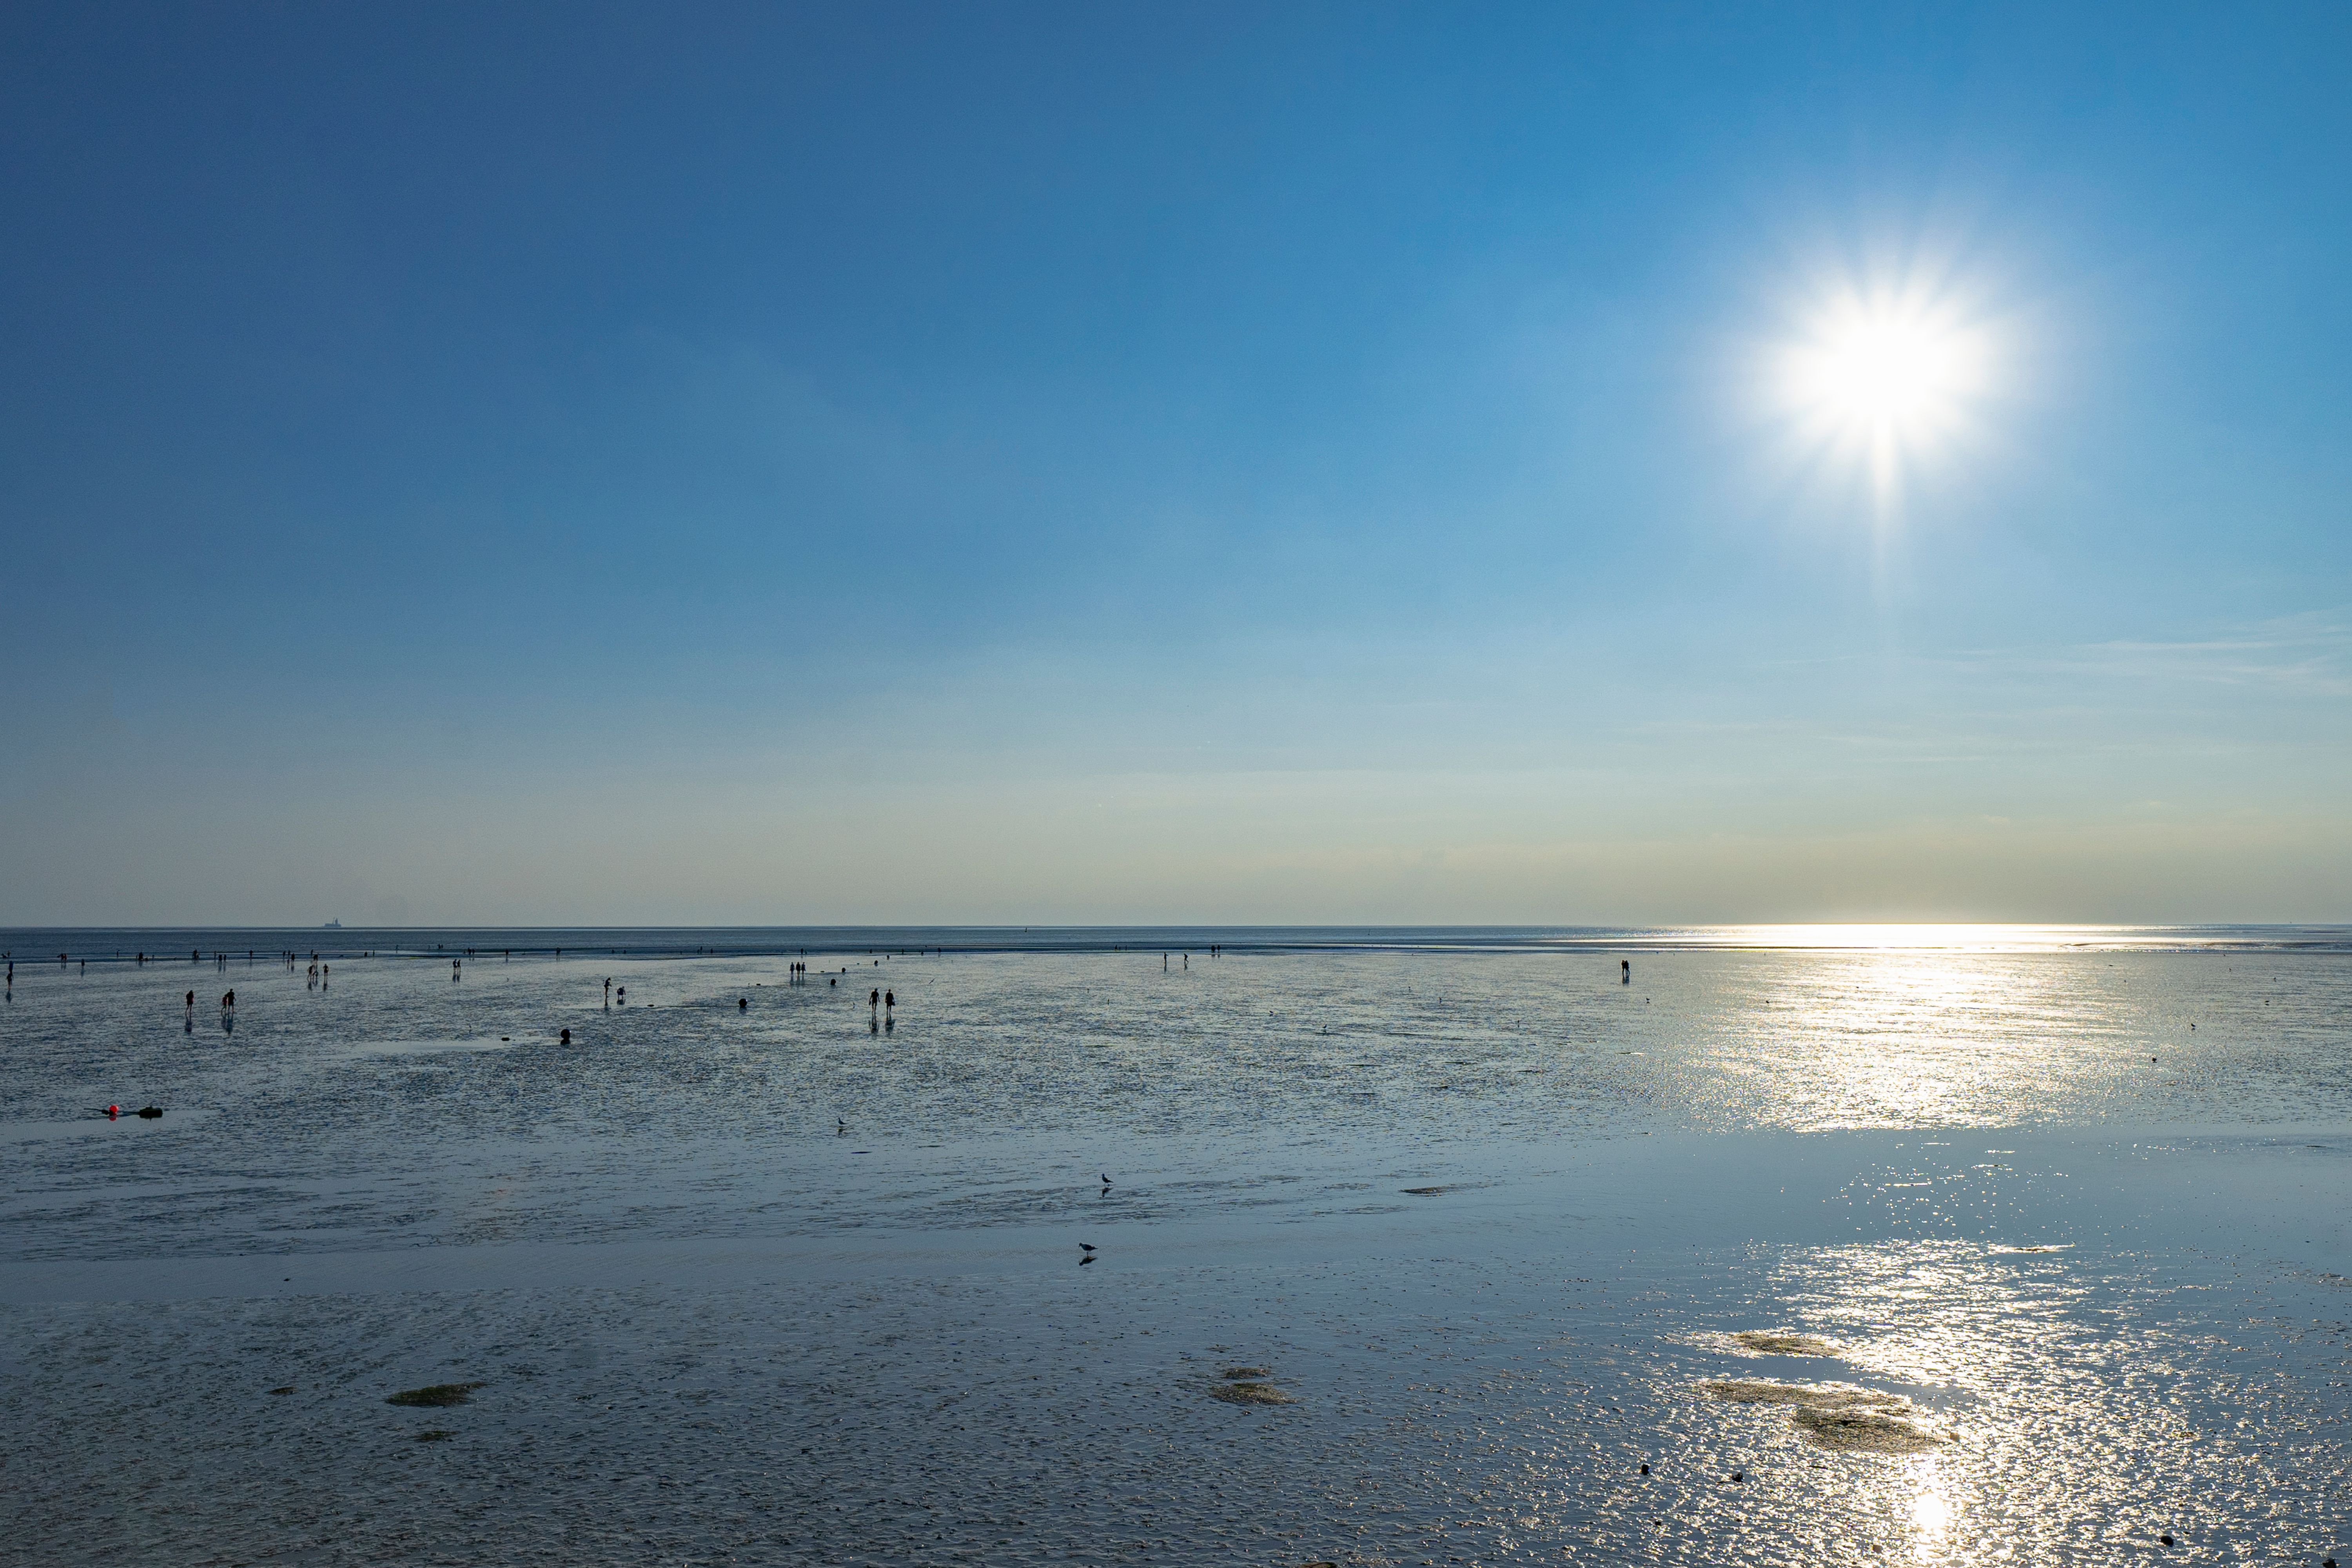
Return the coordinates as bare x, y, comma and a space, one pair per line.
1888, 370
1887, 377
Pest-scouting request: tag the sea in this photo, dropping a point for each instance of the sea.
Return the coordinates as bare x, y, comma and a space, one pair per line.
1288, 1246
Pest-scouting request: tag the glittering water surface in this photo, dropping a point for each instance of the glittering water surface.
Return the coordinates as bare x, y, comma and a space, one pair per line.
750, 1272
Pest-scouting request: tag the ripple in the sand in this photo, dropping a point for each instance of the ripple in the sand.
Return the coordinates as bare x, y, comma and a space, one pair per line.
1750, 1391
1773, 1342
1866, 1431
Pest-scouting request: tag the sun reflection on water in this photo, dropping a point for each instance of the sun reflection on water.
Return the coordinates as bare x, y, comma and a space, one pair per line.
1931, 1511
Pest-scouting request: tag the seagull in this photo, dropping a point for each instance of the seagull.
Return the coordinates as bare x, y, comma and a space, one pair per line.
1105, 1181
1085, 1247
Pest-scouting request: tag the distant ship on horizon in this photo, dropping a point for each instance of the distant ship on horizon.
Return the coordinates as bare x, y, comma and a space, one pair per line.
332, 925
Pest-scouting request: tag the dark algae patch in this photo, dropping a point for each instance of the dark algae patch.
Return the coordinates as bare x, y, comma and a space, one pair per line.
437, 1394
1774, 1341
1248, 1386
1846, 1420
434, 1434
1747, 1391
1251, 1394
1865, 1431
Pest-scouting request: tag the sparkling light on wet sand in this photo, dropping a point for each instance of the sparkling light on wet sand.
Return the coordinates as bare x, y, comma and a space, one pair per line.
773, 1284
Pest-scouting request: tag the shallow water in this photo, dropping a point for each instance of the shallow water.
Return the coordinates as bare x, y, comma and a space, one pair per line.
782, 1283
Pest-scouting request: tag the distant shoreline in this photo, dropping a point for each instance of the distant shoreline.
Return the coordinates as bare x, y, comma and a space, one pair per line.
33, 945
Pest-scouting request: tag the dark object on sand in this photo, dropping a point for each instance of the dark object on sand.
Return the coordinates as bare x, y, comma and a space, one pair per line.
437, 1394
1645, 1467
1777, 1341
1855, 1431
1421, 1192
151, 1111
567, 1037
1085, 1247
286, 1388
742, 1003
2165, 1538
434, 1434
1251, 1394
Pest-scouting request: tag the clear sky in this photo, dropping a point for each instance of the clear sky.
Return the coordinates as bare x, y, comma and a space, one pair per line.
1099, 462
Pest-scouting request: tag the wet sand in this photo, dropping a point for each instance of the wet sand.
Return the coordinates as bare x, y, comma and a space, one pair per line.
708, 1338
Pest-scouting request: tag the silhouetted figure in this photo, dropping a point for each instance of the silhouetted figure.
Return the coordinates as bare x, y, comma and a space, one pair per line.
567, 1037
742, 1003
874, 998
889, 1000
229, 1000
1625, 971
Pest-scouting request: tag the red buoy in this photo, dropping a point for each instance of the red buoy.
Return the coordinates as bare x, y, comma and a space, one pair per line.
113, 1111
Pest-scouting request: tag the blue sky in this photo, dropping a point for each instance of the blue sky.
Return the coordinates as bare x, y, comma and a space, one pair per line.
1097, 463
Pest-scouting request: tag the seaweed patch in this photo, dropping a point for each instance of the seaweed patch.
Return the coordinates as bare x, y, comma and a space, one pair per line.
435, 1394
1866, 1431
1773, 1342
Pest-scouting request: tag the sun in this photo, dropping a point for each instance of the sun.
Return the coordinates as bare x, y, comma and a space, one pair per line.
1887, 377
1884, 372
1886, 368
